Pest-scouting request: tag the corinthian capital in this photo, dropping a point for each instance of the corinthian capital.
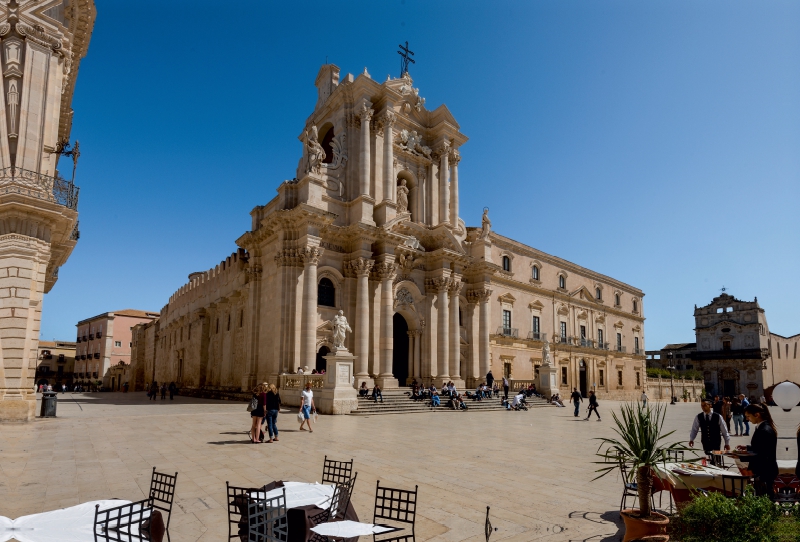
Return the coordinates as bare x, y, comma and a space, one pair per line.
310, 255
454, 285
479, 296
360, 267
387, 119
385, 270
455, 157
364, 112
439, 284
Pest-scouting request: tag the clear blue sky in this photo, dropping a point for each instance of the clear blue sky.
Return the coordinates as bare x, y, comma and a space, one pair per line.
655, 142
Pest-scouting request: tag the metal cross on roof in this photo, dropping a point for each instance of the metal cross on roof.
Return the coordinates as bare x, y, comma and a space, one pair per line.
723, 289
405, 59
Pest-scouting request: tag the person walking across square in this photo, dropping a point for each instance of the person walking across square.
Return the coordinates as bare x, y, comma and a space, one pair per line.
307, 406
745, 404
593, 406
712, 428
577, 400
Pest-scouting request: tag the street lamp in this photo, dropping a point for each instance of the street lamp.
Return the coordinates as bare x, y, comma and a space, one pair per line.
671, 368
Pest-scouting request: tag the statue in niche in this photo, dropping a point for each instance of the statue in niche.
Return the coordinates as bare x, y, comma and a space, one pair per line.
486, 224
402, 196
316, 154
340, 327
546, 353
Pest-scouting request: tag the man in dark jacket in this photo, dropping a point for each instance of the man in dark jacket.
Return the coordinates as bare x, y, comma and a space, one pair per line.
489, 379
713, 430
576, 400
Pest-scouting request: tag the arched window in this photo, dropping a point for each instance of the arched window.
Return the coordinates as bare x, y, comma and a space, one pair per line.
327, 146
326, 293
562, 281
535, 272
506, 264
598, 293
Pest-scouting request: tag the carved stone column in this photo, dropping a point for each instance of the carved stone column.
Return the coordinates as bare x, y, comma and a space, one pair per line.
444, 189
418, 353
389, 184
386, 272
482, 298
365, 114
440, 285
361, 268
308, 327
412, 348
455, 159
453, 291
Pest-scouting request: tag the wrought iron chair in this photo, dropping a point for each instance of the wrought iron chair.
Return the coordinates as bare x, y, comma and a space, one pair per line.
396, 506
162, 491
630, 489
733, 486
670, 456
337, 510
267, 519
238, 501
118, 523
336, 472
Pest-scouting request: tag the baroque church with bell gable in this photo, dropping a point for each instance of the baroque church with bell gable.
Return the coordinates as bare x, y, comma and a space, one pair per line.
371, 226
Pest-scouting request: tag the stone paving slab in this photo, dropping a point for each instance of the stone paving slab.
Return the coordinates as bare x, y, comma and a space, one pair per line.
533, 468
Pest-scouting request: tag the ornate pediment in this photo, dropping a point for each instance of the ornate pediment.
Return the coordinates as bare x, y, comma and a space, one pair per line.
507, 298
619, 324
536, 305
563, 310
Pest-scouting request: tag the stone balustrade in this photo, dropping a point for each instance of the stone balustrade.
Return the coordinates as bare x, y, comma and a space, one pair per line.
290, 386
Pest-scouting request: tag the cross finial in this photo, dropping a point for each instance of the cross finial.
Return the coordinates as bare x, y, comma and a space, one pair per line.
723, 289
405, 59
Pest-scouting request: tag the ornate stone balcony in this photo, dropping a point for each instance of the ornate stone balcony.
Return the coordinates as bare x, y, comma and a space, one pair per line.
29, 183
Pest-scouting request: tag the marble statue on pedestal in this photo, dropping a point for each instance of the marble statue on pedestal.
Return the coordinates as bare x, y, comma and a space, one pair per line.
340, 327
402, 196
486, 224
546, 353
316, 154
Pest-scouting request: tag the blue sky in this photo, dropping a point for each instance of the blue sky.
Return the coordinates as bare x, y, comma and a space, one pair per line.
655, 142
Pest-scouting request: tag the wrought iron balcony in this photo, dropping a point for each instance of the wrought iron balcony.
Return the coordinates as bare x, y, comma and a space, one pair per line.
638, 351
91, 336
586, 343
508, 332
563, 339
601, 346
97, 355
99, 334
30, 183
536, 336
76, 232
94, 375
622, 349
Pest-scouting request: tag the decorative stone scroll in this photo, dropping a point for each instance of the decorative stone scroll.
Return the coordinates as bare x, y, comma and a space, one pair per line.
37, 34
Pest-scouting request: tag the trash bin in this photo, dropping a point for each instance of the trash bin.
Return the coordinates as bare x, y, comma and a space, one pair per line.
49, 401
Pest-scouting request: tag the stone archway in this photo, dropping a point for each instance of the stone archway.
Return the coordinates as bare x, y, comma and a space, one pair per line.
400, 368
321, 363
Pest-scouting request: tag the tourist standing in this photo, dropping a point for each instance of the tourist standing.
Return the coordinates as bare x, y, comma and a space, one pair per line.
737, 413
257, 414
505, 388
745, 404
593, 406
153, 390
307, 406
726, 412
164, 391
712, 428
576, 400
763, 463
489, 379
172, 389
273, 406
644, 399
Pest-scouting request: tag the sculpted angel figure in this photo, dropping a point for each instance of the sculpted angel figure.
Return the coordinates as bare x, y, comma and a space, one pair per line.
340, 327
486, 224
316, 154
402, 196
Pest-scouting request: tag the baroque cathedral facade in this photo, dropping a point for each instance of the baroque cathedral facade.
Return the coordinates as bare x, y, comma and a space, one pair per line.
370, 226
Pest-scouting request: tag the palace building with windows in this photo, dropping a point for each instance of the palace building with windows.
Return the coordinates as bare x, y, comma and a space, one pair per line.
371, 226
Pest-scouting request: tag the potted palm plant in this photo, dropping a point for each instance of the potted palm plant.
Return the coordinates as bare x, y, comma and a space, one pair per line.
639, 447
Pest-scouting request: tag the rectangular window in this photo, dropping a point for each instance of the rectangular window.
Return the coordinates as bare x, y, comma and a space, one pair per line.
619, 341
117, 343
619, 378
563, 376
726, 345
638, 379
536, 324
583, 332
602, 378
563, 331
600, 337
636, 345
506, 321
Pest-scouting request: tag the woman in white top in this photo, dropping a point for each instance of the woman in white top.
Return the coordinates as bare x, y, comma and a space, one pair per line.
307, 406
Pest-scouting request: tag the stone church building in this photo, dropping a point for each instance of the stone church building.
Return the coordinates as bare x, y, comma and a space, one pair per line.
371, 226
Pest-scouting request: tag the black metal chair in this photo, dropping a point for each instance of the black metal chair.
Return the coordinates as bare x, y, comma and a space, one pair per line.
162, 491
267, 518
733, 486
397, 506
336, 472
673, 456
117, 523
238, 502
630, 489
337, 510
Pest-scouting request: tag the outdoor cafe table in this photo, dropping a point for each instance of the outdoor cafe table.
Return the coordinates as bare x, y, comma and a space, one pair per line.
682, 483
303, 501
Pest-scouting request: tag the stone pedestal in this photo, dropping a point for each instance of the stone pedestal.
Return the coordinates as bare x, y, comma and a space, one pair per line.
386, 211
337, 396
362, 209
548, 380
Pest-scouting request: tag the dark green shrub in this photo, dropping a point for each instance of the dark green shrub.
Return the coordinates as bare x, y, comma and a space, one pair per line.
716, 518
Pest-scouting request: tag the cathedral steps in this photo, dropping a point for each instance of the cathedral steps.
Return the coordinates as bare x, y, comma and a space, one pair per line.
397, 402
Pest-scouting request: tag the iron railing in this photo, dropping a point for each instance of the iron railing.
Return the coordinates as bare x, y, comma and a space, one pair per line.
586, 343
638, 351
536, 336
621, 348
76, 233
602, 346
30, 183
508, 332
563, 339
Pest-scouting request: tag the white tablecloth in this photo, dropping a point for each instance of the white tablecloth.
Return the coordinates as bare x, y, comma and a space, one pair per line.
73, 524
300, 494
708, 477
785, 466
348, 529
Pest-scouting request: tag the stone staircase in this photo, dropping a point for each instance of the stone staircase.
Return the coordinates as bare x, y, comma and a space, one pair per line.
397, 402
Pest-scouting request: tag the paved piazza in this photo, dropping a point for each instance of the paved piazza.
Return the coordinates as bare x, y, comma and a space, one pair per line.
533, 468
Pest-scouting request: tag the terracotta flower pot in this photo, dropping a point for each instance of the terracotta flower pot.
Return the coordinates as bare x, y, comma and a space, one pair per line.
637, 528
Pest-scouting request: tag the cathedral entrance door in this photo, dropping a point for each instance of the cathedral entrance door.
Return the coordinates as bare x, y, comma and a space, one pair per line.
583, 379
729, 388
400, 354
322, 363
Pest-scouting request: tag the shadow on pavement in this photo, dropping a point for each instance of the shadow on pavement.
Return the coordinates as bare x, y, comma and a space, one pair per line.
608, 524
